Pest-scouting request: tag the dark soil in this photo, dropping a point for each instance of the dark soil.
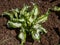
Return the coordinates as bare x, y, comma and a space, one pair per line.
52, 25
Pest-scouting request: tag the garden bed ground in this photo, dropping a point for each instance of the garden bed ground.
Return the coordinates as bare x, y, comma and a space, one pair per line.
52, 25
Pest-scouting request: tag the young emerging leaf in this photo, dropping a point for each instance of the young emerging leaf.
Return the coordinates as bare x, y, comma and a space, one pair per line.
43, 18
13, 24
56, 8
22, 36
36, 35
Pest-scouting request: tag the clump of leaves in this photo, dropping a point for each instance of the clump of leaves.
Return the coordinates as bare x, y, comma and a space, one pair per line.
27, 21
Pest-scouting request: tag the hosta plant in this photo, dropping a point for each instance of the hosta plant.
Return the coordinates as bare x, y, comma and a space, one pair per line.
28, 21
